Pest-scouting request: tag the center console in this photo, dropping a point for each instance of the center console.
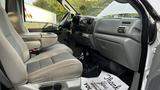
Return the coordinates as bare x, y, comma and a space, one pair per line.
39, 39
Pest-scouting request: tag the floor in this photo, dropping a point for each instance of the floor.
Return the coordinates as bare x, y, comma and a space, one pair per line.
105, 81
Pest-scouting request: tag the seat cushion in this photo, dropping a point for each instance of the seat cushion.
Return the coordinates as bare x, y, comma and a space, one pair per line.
59, 67
58, 46
44, 60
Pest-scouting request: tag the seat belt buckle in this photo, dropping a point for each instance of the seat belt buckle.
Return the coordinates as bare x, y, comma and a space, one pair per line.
34, 51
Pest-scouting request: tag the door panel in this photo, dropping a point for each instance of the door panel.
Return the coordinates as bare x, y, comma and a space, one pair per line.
153, 80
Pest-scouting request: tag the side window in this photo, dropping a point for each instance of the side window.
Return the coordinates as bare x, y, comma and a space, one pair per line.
37, 18
3, 3
42, 13
119, 10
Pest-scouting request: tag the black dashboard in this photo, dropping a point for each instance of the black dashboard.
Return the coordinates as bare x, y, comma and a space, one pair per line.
83, 24
83, 28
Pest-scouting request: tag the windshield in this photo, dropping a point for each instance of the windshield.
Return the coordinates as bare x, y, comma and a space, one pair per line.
104, 8
89, 7
116, 9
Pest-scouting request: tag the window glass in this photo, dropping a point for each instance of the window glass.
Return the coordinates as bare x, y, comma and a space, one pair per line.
44, 11
39, 13
118, 10
104, 8
89, 7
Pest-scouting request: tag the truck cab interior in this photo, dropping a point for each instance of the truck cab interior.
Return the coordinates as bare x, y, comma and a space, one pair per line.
79, 46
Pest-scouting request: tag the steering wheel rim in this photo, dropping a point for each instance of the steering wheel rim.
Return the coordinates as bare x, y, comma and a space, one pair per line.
65, 19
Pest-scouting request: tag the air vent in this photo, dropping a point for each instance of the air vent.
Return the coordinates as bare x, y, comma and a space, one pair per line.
121, 29
126, 22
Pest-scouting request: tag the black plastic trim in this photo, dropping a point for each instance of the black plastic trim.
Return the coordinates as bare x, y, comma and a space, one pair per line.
152, 33
151, 10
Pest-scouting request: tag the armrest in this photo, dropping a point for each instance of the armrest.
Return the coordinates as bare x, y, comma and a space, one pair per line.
38, 35
31, 36
46, 39
49, 35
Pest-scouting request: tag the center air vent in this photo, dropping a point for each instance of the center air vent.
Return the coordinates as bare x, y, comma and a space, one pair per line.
121, 29
126, 22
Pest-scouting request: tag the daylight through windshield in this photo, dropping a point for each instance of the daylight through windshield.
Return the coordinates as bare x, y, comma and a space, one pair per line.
97, 8
104, 8
89, 7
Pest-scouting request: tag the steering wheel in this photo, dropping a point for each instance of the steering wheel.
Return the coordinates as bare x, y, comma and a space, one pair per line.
65, 23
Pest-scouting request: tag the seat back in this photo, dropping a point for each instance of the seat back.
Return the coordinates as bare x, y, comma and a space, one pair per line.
14, 52
14, 10
12, 36
17, 23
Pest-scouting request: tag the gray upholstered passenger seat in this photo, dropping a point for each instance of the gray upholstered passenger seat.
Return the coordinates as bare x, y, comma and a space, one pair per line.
33, 65
43, 41
45, 67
